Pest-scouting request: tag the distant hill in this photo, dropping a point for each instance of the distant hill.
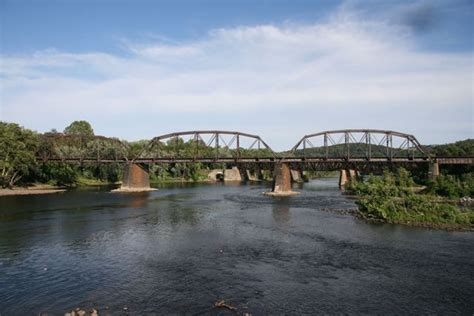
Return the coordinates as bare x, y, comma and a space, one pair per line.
460, 148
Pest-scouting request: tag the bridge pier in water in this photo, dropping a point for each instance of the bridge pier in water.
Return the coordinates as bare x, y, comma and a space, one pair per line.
345, 175
254, 175
296, 175
232, 175
433, 170
281, 181
136, 178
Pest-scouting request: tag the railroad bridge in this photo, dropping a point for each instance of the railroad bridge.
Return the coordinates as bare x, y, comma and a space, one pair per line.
350, 151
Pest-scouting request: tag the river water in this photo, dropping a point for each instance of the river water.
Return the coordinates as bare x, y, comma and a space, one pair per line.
184, 247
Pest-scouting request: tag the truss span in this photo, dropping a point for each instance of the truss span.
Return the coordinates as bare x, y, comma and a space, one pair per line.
202, 145
365, 144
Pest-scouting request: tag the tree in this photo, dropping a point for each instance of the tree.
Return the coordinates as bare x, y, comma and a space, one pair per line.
82, 128
17, 153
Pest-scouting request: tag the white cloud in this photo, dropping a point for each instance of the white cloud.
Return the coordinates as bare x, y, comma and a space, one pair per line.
277, 81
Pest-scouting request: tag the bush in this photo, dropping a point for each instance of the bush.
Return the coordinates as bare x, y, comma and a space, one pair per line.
391, 199
452, 187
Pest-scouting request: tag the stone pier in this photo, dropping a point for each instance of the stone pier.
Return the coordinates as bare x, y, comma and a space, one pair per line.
281, 181
296, 175
232, 175
135, 179
254, 175
345, 175
433, 171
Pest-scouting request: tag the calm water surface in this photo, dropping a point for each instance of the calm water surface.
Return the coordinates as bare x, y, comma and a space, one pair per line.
182, 248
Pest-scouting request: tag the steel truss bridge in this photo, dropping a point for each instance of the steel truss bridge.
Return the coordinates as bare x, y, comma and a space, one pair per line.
356, 148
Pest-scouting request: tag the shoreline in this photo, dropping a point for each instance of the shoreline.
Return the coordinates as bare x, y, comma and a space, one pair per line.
32, 190
424, 225
357, 214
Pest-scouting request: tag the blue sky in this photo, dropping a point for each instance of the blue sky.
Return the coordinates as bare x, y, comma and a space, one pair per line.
281, 69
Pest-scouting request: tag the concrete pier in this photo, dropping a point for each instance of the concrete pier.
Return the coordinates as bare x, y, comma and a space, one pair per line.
345, 175
343, 178
135, 179
296, 176
281, 181
232, 175
254, 175
433, 171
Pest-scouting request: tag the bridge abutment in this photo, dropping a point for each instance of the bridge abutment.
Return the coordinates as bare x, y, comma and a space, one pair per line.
281, 181
136, 178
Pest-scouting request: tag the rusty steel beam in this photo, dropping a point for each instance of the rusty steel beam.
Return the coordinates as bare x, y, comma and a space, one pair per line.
264, 160
365, 156
368, 135
215, 139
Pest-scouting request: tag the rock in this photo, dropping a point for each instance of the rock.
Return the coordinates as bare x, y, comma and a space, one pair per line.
222, 304
81, 313
94, 312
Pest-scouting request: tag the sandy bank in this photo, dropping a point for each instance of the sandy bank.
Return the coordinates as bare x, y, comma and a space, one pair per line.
134, 190
39, 189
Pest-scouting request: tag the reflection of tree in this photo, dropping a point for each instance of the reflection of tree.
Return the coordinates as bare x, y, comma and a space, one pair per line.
174, 210
179, 214
281, 213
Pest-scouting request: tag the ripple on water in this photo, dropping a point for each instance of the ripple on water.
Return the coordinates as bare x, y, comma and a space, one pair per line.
182, 248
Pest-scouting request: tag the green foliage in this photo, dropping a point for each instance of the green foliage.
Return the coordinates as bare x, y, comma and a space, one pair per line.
461, 148
391, 198
82, 128
453, 187
58, 173
17, 153
136, 147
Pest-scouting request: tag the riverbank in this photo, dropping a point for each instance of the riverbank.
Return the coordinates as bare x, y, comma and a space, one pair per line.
394, 198
32, 190
426, 225
361, 214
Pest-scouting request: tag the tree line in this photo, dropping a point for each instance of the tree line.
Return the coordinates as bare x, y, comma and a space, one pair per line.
20, 149
25, 156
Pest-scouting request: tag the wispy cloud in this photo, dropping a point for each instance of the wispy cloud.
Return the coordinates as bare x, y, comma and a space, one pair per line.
280, 81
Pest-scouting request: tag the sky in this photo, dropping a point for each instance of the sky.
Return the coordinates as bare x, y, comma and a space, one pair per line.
278, 69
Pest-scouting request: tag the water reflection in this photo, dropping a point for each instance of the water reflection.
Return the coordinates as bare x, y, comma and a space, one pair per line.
281, 213
138, 199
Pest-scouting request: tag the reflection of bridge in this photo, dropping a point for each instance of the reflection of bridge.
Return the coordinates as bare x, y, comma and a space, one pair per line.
347, 150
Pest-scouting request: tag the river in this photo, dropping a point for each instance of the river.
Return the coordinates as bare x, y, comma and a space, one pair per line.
184, 247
